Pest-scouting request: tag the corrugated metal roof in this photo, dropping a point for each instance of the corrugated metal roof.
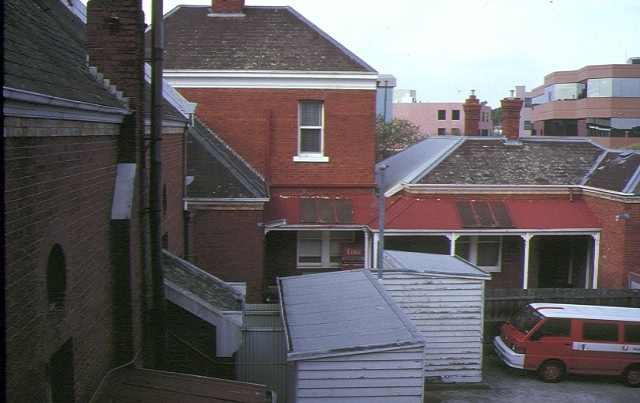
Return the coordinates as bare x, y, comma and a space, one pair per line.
408, 213
429, 263
146, 385
290, 208
342, 313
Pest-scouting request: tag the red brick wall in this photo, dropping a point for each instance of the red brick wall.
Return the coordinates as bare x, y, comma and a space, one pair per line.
227, 6
261, 125
57, 190
173, 182
228, 244
619, 242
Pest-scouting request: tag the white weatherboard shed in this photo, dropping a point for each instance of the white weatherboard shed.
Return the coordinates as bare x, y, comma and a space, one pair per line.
348, 341
444, 297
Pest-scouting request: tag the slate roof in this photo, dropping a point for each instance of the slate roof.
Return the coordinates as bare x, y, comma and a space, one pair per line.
490, 161
44, 53
201, 284
215, 171
617, 171
429, 263
265, 38
337, 313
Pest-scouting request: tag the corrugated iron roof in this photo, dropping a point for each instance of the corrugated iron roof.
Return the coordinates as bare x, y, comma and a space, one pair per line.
130, 385
618, 171
430, 263
347, 210
339, 313
406, 213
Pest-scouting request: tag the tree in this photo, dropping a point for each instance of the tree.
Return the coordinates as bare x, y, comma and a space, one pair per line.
394, 136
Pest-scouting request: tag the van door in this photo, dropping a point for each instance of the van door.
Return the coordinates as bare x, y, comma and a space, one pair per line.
595, 352
550, 340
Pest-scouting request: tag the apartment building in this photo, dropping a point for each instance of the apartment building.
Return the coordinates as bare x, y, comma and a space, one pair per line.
440, 118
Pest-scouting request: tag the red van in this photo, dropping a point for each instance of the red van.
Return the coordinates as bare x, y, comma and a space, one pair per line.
554, 339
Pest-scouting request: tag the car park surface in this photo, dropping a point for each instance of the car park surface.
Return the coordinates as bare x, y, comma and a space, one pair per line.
504, 384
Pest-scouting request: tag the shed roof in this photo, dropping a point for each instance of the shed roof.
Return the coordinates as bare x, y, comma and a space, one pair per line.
263, 38
342, 313
434, 264
146, 385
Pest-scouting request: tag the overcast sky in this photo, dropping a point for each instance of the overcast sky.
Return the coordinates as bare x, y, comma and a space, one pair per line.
444, 48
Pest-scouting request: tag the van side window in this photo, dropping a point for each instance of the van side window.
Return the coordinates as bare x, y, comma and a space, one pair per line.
632, 333
600, 331
553, 327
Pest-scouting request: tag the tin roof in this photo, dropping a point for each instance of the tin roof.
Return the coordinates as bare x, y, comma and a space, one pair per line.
263, 38
409, 213
316, 211
429, 263
147, 385
342, 313
587, 311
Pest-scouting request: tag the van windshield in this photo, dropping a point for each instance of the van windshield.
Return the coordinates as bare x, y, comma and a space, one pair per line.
526, 319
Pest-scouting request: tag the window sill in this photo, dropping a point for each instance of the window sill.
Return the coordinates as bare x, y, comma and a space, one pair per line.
298, 158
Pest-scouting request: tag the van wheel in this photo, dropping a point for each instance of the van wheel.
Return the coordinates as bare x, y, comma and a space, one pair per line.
551, 371
631, 376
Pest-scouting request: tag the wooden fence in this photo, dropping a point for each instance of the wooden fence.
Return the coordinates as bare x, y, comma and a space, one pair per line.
500, 305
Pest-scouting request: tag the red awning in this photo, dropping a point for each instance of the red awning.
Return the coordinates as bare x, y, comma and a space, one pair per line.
408, 213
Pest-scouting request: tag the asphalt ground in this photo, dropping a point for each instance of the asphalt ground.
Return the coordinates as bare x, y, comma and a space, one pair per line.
504, 384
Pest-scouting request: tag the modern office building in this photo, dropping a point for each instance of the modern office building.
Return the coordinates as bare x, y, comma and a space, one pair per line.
601, 102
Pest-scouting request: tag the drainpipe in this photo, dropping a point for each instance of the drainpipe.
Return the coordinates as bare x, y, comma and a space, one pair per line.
155, 187
381, 168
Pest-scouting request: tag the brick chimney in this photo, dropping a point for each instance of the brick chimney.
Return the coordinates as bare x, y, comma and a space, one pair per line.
471, 115
227, 6
511, 117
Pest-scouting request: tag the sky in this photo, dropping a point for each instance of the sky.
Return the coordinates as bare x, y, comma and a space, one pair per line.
445, 48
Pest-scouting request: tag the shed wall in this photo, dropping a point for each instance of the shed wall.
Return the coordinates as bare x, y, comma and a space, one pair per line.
449, 313
386, 376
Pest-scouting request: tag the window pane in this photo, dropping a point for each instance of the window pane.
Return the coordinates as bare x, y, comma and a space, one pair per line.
632, 333
462, 247
310, 113
310, 140
442, 114
553, 328
488, 253
600, 331
455, 114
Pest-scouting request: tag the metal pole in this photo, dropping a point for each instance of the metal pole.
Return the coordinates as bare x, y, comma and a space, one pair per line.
381, 168
155, 186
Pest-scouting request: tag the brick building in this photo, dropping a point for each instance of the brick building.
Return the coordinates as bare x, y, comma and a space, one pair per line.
298, 111
78, 277
534, 212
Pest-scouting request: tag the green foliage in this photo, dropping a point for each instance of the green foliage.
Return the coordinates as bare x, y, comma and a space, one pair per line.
496, 116
394, 136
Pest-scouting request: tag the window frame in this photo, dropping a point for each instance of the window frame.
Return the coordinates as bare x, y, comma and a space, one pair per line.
330, 241
455, 114
473, 246
442, 114
307, 156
